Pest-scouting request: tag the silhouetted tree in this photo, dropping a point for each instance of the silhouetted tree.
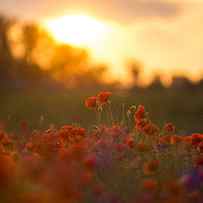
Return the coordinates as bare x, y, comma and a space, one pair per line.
5, 49
30, 38
156, 84
6, 59
182, 82
135, 67
67, 61
68, 64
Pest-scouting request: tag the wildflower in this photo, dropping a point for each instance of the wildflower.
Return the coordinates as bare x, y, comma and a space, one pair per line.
140, 113
200, 146
150, 185
150, 129
91, 102
196, 139
71, 134
187, 140
193, 180
120, 147
90, 162
29, 146
169, 128
140, 124
24, 126
7, 170
165, 139
151, 167
103, 97
130, 142
199, 161
6, 140
175, 139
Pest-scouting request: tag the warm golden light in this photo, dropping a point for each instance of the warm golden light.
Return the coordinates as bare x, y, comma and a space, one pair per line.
104, 40
78, 30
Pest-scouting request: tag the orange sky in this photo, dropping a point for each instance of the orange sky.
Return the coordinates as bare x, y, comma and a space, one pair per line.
165, 35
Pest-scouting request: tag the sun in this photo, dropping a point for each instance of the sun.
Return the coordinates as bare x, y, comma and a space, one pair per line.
101, 38
77, 30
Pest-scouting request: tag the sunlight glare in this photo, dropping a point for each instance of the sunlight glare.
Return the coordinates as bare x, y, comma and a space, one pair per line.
77, 30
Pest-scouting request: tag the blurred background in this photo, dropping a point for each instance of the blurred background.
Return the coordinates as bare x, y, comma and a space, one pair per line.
55, 54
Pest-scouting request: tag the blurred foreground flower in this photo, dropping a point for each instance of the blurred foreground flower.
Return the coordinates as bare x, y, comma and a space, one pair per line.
103, 97
91, 102
110, 163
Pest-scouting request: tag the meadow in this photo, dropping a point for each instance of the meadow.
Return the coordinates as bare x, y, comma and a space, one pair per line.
41, 108
67, 135
127, 160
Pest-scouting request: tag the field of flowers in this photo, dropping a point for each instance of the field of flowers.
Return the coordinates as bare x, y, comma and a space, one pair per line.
131, 161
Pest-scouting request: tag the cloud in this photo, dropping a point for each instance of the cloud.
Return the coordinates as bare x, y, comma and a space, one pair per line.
125, 11
117, 10
166, 35
171, 46
146, 9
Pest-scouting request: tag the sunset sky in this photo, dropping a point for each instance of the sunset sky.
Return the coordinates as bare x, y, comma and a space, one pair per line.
165, 35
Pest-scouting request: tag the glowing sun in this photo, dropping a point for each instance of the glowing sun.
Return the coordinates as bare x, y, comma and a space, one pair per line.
78, 30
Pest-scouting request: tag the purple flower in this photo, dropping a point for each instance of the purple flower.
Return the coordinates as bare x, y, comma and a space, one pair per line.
193, 180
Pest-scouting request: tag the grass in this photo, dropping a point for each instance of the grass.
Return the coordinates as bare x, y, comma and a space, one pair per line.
184, 108
112, 162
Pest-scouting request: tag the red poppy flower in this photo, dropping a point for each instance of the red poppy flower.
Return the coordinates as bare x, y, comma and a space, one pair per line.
150, 185
140, 113
169, 128
103, 97
91, 102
